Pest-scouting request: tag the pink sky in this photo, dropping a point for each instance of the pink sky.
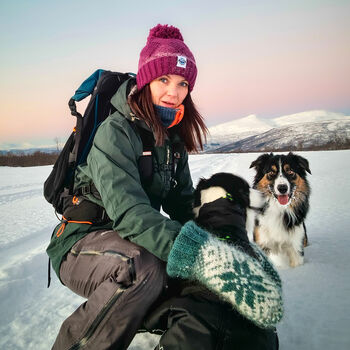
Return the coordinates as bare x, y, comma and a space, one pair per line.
267, 58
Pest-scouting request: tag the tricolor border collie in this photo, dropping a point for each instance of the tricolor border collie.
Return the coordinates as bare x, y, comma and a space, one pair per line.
279, 228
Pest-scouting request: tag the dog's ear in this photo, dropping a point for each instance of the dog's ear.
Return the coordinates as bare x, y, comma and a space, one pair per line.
260, 160
202, 184
303, 163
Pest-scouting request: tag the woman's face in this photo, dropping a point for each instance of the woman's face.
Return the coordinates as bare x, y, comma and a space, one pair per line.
169, 90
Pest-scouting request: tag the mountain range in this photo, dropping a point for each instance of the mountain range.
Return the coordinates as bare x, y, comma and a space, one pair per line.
316, 129
311, 130
31, 150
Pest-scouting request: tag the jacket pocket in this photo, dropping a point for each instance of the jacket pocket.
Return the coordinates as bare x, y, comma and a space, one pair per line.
120, 256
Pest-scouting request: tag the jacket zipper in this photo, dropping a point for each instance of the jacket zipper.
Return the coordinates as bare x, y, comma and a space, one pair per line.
167, 155
98, 319
132, 271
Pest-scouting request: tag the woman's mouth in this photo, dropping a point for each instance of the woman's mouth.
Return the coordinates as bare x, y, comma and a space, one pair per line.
168, 104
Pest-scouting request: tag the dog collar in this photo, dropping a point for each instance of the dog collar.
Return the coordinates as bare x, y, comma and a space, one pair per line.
228, 196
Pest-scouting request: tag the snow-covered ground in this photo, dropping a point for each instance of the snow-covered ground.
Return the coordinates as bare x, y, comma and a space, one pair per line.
317, 294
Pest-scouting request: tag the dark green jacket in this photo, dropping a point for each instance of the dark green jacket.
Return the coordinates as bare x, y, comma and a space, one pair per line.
112, 165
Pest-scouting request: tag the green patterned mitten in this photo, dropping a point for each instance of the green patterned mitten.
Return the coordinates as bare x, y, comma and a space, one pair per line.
251, 285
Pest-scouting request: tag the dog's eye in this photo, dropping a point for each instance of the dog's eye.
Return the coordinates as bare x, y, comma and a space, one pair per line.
270, 174
291, 173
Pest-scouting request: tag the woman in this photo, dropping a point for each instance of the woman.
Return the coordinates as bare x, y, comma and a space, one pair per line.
119, 267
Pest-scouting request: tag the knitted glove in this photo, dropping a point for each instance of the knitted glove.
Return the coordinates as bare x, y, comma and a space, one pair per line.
251, 285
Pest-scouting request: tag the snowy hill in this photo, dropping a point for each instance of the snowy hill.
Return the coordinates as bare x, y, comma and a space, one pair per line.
236, 130
316, 295
248, 124
307, 117
285, 129
307, 136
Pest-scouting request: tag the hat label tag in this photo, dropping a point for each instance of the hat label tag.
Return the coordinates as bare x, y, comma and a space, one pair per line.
181, 61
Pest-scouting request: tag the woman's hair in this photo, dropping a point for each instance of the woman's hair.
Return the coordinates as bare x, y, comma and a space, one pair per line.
192, 128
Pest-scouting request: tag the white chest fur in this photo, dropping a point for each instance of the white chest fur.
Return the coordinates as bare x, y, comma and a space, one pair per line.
277, 238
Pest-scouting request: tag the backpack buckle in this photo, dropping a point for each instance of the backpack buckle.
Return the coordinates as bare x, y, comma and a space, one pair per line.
85, 190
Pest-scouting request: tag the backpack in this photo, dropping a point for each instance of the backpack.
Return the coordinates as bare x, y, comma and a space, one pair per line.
101, 85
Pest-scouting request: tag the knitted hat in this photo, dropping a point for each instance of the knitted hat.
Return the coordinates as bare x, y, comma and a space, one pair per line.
165, 53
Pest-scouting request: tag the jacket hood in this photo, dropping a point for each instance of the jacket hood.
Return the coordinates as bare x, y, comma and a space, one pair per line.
119, 99
120, 102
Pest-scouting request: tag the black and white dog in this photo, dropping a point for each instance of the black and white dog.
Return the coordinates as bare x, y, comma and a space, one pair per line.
222, 185
221, 205
279, 228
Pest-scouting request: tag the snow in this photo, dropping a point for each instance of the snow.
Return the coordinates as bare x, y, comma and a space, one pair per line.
250, 123
308, 117
317, 304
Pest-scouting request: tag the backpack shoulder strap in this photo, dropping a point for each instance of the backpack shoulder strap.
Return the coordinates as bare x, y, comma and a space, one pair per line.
178, 147
145, 162
98, 109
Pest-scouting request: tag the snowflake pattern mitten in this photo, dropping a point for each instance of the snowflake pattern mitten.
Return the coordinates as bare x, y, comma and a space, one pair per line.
252, 286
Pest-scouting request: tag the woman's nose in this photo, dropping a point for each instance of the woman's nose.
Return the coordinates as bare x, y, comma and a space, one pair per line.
172, 90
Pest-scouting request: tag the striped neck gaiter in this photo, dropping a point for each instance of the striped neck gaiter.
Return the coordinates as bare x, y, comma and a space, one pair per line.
170, 116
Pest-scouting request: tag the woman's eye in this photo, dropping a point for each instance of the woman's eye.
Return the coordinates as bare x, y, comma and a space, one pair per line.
163, 80
184, 84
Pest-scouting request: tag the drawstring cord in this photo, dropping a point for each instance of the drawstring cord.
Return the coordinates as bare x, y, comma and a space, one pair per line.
59, 232
64, 222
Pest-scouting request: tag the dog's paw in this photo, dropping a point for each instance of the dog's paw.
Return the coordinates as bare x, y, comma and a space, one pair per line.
294, 262
280, 261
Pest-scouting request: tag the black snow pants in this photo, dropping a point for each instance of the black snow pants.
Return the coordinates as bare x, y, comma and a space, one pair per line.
200, 320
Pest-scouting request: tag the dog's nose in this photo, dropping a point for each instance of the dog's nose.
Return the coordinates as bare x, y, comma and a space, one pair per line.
282, 189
